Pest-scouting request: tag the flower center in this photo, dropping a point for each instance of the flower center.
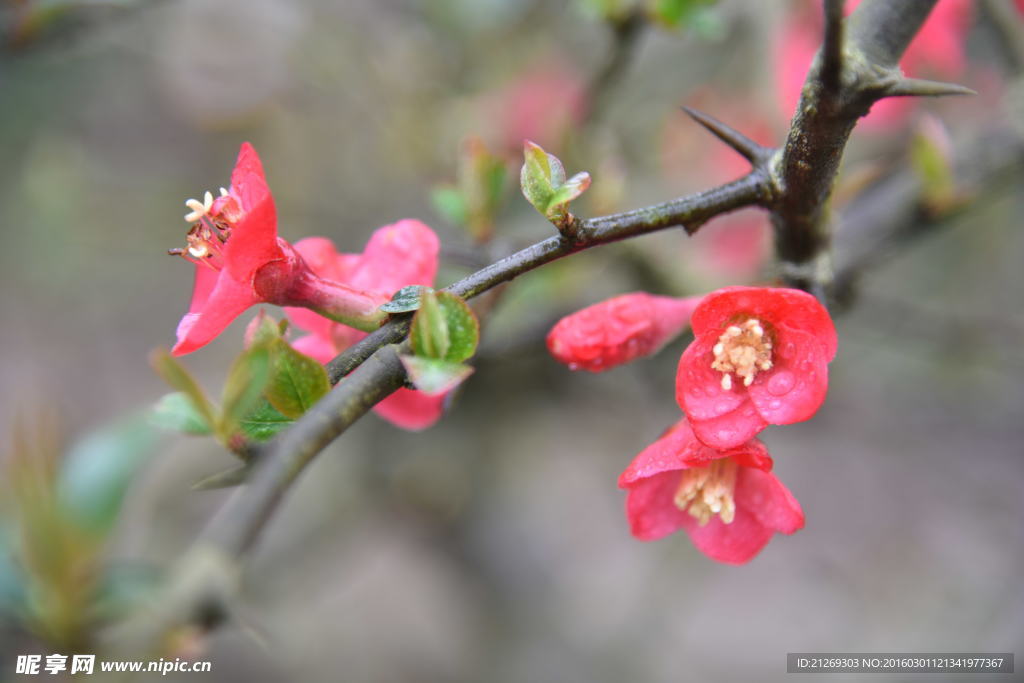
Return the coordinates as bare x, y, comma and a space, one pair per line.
742, 350
211, 228
708, 491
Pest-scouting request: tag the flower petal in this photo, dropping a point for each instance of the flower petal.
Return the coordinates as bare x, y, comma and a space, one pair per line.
412, 410
325, 260
650, 508
794, 389
318, 348
779, 306
205, 281
734, 543
253, 240
768, 500
731, 429
699, 388
226, 302
677, 449
397, 255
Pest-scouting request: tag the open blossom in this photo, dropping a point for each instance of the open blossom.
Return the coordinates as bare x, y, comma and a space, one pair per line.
937, 51
760, 356
240, 261
728, 501
618, 330
397, 255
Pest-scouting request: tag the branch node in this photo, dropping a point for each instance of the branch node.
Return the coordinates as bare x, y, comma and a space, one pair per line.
755, 153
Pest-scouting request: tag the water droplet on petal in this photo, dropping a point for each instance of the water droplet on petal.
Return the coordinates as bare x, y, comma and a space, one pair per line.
781, 383
788, 351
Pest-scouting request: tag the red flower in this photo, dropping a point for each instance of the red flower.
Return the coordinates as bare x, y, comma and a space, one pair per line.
405, 253
240, 261
728, 501
760, 356
618, 330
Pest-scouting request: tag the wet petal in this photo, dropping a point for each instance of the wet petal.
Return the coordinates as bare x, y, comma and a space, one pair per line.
794, 389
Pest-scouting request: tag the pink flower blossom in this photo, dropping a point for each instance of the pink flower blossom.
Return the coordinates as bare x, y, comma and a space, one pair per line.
397, 255
728, 501
240, 261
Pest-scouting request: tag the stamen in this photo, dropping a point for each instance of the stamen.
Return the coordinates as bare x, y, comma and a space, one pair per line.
742, 350
199, 208
708, 491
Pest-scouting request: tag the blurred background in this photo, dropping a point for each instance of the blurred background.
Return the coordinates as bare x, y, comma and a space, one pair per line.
493, 546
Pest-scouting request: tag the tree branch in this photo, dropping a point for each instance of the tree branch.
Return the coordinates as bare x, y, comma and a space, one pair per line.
201, 587
865, 69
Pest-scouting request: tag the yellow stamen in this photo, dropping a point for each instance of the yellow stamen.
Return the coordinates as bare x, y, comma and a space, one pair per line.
708, 491
742, 350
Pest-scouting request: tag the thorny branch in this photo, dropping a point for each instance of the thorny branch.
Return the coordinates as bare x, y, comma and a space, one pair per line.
793, 184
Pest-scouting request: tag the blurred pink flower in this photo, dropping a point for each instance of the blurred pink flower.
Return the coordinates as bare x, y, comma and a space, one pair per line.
541, 105
397, 255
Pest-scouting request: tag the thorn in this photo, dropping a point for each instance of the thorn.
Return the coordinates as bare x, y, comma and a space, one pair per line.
919, 87
753, 152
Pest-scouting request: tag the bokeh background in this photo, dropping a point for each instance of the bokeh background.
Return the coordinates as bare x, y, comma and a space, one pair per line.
493, 546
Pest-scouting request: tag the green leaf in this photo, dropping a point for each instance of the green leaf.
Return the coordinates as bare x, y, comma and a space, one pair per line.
263, 422
535, 178
429, 335
463, 327
175, 374
296, 380
568, 191
545, 187
448, 202
246, 381
263, 329
433, 376
177, 412
674, 13
96, 473
405, 299
225, 479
